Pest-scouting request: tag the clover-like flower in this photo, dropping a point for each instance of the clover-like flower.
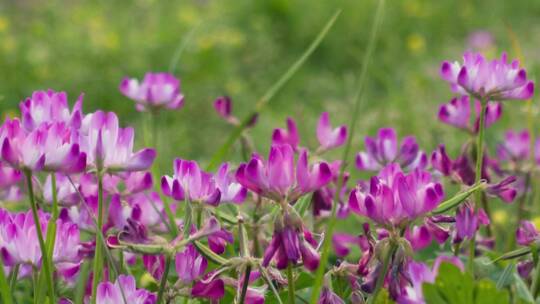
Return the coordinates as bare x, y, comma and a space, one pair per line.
157, 90
490, 80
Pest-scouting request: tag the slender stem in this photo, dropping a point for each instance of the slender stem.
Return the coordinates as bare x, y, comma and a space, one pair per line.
13, 279
5, 291
290, 283
385, 267
245, 284
50, 239
536, 279
357, 102
163, 284
98, 260
478, 173
199, 210
35, 283
44, 256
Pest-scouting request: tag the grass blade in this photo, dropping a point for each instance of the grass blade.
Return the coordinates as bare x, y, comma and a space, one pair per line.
4, 287
222, 152
357, 101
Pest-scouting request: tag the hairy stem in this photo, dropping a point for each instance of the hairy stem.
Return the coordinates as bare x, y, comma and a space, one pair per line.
245, 285
290, 283
163, 284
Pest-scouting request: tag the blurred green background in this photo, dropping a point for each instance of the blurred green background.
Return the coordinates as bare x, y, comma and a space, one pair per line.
240, 47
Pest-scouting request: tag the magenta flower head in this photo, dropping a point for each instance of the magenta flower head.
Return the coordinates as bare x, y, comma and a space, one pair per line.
457, 113
8, 176
224, 106
157, 90
50, 147
123, 290
489, 80
468, 221
480, 40
291, 243
190, 182
46, 107
287, 136
527, 233
279, 177
191, 267
19, 241
110, 148
231, 191
394, 197
330, 138
515, 147
383, 150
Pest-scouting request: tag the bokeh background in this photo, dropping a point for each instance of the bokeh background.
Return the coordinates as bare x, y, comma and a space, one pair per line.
240, 47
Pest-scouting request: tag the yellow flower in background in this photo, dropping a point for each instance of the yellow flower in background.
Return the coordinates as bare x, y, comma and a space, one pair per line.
4, 23
500, 217
234, 86
188, 15
416, 43
8, 43
536, 221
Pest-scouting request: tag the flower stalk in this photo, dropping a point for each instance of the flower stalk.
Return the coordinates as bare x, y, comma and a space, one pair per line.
98, 260
47, 265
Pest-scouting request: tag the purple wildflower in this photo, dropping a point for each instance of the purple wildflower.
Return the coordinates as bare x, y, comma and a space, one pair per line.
157, 90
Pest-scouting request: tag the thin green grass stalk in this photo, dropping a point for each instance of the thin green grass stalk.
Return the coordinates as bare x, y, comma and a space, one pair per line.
46, 264
290, 283
182, 47
171, 223
5, 291
99, 238
50, 239
222, 152
13, 279
98, 259
163, 283
357, 101
478, 176
81, 283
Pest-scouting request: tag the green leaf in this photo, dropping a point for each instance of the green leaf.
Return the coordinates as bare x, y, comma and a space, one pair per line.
454, 287
522, 290
303, 204
4, 287
303, 281
506, 277
513, 254
458, 199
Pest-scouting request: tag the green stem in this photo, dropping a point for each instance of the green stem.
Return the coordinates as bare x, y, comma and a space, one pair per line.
50, 239
13, 279
163, 284
45, 257
357, 101
98, 260
478, 173
5, 291
290, 283
536, 280
35, 283
385, 267
245, 285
